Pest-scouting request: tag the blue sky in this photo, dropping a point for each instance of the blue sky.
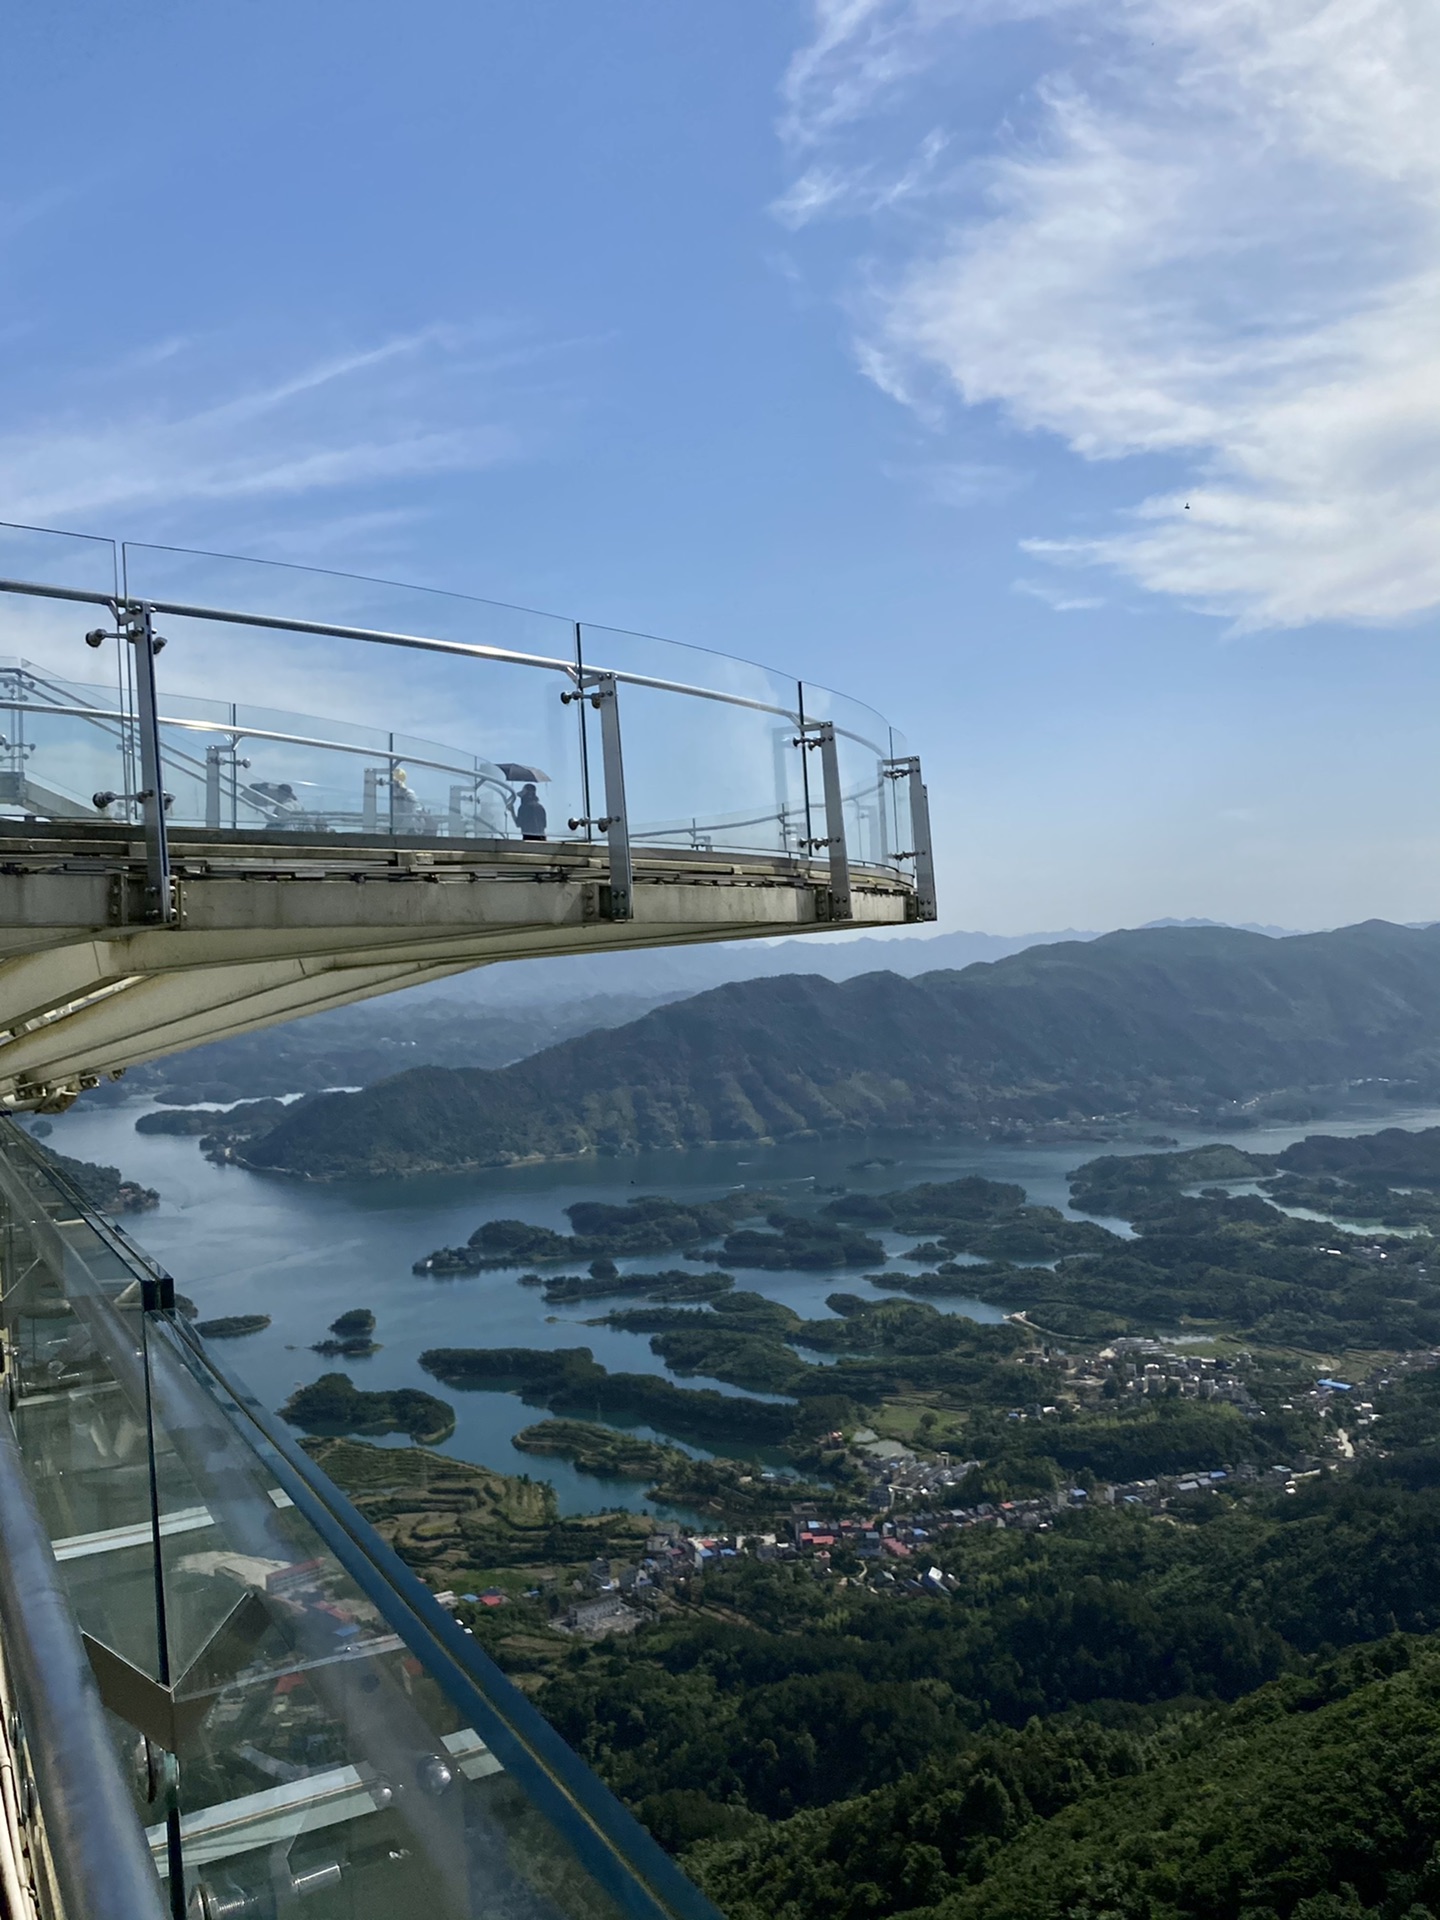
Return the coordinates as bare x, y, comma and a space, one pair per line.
1061, 377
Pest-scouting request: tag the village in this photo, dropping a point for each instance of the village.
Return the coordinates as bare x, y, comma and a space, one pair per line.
890, 1548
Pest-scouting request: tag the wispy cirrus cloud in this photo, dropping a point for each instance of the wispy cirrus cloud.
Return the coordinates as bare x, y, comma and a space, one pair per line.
1205, 229
1058, 599
165, 432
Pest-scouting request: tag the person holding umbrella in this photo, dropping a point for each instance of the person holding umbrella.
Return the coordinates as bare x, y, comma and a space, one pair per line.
530, 815
525, 807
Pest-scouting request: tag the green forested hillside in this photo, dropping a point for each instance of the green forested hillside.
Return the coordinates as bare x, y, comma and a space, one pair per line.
1158, 1022
1315, 1798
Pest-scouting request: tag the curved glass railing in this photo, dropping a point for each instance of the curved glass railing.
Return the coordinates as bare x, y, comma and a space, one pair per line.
444, 717
299, 1726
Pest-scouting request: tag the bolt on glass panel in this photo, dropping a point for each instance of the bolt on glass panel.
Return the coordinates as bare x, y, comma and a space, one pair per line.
710, 774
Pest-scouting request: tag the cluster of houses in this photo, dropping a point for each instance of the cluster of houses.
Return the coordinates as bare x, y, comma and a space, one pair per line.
889, 1553
891, 1549
1135, 1367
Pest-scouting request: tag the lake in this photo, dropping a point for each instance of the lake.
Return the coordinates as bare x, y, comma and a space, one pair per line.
239, 1242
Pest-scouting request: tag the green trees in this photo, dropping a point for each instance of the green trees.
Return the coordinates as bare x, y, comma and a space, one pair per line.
333, 1404
1150, 1714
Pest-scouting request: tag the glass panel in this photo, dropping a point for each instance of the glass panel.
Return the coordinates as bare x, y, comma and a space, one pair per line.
317, 1753
64, 734
71, 1311
41, 557
265, 728
297, 1737
703, 773
862, 740
68, 748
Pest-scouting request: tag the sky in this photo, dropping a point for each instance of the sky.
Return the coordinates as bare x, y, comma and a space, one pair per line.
1061, 377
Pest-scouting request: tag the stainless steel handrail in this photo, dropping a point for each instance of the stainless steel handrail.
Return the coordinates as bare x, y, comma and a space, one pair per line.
585, 679
324, 629
95, 1840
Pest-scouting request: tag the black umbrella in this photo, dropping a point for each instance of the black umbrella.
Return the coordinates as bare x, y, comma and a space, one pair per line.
512, 770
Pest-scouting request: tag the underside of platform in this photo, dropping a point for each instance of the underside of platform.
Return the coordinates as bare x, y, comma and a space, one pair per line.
269, 927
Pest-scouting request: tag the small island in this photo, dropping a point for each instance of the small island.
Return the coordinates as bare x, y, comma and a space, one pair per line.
334, 1405
231, 1326
597, 1450
352, 1336
651, 1223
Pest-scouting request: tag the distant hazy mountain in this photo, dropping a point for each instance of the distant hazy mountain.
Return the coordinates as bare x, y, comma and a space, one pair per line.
1164, 1022
664, 973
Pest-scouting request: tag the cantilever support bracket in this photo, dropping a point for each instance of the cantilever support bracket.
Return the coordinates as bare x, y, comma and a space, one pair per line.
821, 734
602, 691
170, 1716
923, 852
143, 1703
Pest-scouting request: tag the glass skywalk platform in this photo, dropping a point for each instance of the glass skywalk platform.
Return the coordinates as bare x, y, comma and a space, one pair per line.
203, 761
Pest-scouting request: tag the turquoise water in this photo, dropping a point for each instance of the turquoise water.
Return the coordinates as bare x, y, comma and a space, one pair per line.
239, 1242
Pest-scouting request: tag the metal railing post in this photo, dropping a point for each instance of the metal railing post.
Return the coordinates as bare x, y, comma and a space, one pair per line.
925, 902
835, 822
601, 690
605, 698
160, 890
213, 757
923, 852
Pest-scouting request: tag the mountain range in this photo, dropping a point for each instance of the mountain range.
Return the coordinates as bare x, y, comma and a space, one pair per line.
1179, 1023
498, 1014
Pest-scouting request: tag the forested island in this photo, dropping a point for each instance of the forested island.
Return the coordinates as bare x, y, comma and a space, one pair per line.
650, 1223
333, 1404
352, 1336
232, 1326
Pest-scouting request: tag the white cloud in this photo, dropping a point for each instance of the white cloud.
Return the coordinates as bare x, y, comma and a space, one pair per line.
384, 413
1205, 229
865, 189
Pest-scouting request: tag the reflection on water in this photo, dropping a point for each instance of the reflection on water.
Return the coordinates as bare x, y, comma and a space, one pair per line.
239, 1242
